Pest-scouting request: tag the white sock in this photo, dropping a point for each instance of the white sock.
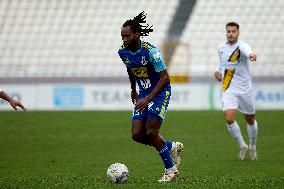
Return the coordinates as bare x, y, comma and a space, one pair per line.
235, 132
252, 133
172, 169
173, 146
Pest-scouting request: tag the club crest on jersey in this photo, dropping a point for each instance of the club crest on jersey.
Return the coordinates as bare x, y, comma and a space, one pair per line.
144, 61
157, 56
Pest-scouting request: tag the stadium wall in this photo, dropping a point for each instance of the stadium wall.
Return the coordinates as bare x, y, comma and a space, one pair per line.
194, 96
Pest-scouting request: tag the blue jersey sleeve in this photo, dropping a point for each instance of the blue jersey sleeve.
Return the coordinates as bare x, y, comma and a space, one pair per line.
156, 58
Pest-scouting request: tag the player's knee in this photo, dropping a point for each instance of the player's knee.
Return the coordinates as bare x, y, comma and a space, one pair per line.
152, 134
230, 116
250, 119
230, 120
136, 137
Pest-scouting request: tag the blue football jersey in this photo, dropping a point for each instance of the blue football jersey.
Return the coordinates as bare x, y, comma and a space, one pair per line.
144, 66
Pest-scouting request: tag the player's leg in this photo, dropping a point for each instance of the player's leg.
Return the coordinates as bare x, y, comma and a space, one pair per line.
139, 132
252, 130
175, 148
233, 127
157, 110
139, 120
153, 132
247, 107
235, 131
230, 106
158, 107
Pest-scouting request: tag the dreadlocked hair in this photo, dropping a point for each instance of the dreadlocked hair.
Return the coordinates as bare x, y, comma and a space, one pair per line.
136, 24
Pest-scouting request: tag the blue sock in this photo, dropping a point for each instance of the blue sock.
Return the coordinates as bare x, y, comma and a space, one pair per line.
169, 144
166, 157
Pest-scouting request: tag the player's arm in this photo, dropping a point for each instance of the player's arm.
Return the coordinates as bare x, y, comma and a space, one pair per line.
164, 79
13, 103
218, 75
249, 53
160, 67
134, 93
218, 70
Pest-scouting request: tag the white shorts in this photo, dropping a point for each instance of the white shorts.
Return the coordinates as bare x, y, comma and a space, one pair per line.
242, 102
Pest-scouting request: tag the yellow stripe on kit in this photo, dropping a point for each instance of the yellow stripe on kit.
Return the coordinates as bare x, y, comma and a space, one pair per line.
229, 73
163, 108
235, 56
147, 46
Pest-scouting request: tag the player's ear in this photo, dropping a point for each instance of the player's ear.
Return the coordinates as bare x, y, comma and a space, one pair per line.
137, 35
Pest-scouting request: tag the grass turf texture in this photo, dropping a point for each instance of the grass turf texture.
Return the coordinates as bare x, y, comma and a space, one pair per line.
74, 150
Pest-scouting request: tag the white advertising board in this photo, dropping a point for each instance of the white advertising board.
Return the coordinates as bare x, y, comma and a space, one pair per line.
194, 96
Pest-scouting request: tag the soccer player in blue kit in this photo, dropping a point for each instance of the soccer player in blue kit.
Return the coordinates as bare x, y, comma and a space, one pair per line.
145, 67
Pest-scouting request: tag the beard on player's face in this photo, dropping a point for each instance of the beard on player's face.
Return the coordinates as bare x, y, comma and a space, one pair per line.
130, 39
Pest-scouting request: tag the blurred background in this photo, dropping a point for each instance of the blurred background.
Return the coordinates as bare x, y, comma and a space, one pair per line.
62, 54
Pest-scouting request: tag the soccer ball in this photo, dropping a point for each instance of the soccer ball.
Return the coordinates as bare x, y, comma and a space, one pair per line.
117, 173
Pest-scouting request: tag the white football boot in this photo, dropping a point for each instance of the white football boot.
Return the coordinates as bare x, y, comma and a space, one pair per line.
176, 153
169, 175
243, 152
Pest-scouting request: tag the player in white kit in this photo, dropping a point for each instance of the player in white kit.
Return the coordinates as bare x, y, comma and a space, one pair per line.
234, 71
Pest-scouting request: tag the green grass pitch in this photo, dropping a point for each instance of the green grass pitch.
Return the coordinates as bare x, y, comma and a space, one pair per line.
73, 150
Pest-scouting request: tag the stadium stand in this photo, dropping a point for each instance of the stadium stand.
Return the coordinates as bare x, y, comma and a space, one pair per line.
71, 38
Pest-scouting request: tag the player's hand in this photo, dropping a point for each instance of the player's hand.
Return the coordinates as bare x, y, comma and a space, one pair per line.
218, 76
252, 56
15, 103
134, 95
142, 104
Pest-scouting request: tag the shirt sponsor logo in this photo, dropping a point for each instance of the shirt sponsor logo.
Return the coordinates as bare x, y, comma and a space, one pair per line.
140, 72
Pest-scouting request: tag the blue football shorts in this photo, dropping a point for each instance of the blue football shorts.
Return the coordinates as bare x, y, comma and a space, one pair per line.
157, 108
